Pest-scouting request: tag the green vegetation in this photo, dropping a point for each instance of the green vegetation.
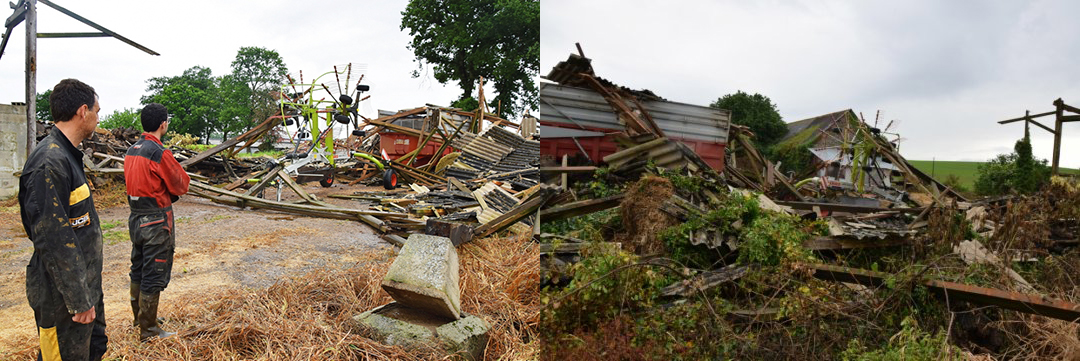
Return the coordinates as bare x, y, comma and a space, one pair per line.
127, 118
218, 218
793, 153
262, 153
911, 343
757, 112
44, 113
202, 104
112, 235
966, 172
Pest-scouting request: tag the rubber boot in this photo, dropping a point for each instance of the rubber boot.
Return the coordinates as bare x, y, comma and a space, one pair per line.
135, 303
148, 322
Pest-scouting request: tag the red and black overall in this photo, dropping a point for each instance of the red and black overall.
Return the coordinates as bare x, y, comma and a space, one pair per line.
64, 274
154, 179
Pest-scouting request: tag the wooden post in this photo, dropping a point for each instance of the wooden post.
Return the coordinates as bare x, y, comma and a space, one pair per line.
565, 180
1058, 114
31, 75
1027, 121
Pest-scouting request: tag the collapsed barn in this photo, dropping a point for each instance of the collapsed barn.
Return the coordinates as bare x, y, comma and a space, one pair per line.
851, 252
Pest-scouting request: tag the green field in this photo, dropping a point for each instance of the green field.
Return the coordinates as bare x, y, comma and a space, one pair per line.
963, 170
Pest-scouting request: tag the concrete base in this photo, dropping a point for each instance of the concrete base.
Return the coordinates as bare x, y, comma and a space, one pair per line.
396, 324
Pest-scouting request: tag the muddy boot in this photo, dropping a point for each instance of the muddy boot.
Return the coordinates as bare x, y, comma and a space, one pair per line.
148, 322
135, 303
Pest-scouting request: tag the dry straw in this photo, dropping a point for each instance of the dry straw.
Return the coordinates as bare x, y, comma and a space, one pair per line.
310, 317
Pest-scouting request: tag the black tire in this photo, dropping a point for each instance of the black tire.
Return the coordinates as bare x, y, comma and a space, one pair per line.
327, 181
389, 179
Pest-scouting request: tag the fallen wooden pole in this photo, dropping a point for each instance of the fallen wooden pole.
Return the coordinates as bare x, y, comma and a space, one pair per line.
578, 208
1016, 301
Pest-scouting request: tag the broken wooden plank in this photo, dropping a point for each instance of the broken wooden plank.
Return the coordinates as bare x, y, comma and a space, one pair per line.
514, 215
1016, 301
838, 207
458, 233
394, 239
254, 131
588, 169
704, 281
578, 208
295, 187
837, 243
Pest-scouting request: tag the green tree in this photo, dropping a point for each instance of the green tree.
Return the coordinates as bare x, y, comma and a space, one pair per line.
1017, 172
44, 113
468, 39
756, 112
127, 117
234, 112
192, 99
257, 74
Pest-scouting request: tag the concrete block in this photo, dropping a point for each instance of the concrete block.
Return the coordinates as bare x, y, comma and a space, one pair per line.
397, 324
425, 276
466, 337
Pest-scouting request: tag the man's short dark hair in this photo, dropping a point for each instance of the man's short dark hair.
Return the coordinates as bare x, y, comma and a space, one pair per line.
152, 116
68, 96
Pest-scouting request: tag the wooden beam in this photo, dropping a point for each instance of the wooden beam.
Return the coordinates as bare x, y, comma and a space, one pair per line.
1057, 137
578, 208
570, 169
1061, 104
836, 243
257, 130
1016, 301
1027, 117
845, 207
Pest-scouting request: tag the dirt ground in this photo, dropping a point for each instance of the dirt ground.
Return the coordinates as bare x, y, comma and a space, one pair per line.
217, 247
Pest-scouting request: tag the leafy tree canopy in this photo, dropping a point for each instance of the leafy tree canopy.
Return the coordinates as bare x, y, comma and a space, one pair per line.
256, 73
192, 98
127, 117
468, 39
42, 104
757, 112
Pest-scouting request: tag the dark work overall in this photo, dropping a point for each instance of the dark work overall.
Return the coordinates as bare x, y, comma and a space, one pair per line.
152, 244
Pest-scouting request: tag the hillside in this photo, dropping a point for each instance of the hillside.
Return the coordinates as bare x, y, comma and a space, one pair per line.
966, 171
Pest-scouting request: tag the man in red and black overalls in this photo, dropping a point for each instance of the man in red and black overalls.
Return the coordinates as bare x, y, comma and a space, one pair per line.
154, 180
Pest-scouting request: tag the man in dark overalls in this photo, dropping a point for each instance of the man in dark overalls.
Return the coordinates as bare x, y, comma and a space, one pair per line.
63, 279
154, 180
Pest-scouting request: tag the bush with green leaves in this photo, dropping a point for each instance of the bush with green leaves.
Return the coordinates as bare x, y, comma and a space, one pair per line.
1016, 172
911, 343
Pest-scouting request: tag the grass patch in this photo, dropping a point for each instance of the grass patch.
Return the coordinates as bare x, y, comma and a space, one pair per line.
197, 147
112, 235
267, 154
965, 171
218, 218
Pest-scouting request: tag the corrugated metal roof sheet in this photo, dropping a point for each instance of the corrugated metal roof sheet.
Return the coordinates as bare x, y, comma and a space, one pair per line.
585, 108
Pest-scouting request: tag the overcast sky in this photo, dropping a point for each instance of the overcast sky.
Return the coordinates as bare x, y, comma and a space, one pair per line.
311, 36
946, 71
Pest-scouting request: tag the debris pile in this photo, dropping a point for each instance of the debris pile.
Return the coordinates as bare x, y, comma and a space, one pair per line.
859, 237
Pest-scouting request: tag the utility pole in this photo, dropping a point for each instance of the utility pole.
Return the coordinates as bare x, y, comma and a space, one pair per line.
26, 10
31, 75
